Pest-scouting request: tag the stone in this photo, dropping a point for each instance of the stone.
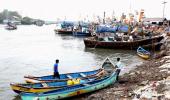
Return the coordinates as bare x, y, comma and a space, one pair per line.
144, 82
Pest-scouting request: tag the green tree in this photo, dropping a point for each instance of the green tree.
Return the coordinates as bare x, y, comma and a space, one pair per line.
27, 21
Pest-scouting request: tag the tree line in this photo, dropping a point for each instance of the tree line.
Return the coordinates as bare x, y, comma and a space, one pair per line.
15, 16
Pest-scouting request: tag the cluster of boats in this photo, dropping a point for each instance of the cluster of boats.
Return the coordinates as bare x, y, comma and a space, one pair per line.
100, 36
69, 84
72, 28
118, 36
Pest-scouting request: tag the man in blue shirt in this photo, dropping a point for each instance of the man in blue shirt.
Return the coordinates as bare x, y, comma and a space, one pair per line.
56, 73
118, 67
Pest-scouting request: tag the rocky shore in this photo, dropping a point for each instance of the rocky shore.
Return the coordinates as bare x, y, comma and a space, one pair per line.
149, 81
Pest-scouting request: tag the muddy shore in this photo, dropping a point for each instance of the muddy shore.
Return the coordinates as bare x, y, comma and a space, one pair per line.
148, 81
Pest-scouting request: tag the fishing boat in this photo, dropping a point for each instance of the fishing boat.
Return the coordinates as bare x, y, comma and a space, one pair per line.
76, 33
95, 42
82, 29
141, 52
63, 31
75, 89
63, 77
47, 86
65, 27
10, 26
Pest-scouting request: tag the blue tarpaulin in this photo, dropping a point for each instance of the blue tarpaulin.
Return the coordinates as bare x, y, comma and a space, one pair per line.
101, 29
123, 28
65, 24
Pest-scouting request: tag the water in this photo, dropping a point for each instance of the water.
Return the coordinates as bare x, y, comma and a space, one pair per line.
32, 50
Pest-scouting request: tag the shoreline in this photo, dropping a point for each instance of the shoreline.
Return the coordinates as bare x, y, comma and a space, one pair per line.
150, 80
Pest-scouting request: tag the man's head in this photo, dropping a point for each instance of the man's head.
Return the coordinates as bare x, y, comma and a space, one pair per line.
118, 59
57, 61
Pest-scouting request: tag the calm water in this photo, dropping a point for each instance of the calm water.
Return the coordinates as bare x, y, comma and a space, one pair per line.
32, 50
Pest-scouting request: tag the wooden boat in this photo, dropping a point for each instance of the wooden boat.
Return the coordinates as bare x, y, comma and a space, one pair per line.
47, 86
63, 77
82, 29
62, 31
141, 52
65, 27
11, 27
75, 89
94, 42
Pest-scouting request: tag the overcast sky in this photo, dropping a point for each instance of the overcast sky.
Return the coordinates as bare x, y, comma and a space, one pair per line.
76, 9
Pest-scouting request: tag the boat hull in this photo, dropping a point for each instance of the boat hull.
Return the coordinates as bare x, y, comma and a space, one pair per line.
81, 34
63, 77
63, 31
10, 28
47, 86
92, 42
72, 91
141, 52
144, 56
19, 89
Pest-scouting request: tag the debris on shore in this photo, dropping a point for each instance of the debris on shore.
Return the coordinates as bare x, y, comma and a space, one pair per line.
149, 81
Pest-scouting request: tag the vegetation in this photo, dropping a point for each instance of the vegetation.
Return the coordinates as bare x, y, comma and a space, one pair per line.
26, 21
15, 16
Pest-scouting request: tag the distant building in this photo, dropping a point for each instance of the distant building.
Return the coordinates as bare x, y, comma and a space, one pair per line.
157, 21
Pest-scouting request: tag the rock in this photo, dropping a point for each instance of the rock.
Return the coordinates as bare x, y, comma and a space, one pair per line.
144, 83
168, 61
167, 65
168, 78
167, 94
166, 57
133, 73
143, 73
164, 70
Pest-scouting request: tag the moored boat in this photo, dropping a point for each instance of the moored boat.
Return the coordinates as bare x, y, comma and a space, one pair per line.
10, 28
75, 33
47, 86
82, 29
14, 27
63, 77
65, 27
141, 52
74, 90
95, 42
63, 31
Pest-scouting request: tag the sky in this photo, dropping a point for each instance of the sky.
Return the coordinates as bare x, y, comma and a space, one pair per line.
79, 9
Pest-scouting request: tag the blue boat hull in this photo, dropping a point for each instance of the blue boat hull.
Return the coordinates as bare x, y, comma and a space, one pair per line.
64, 77
72, 91
81, 34
143, 53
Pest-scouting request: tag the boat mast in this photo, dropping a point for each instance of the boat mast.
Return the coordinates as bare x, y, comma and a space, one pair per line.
104, 17
164, 2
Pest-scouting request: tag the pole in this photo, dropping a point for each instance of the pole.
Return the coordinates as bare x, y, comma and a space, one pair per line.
104, 17
164, 2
